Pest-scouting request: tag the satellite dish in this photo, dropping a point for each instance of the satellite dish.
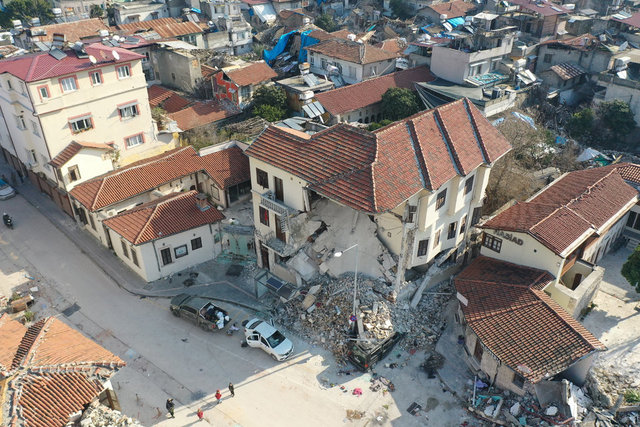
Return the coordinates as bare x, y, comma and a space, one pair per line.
116, 55
93, 59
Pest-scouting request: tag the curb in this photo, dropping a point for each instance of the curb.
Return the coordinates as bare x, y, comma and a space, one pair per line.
63, 229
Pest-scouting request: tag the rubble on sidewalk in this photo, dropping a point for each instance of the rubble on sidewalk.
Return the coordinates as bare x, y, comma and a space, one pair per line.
98, 415
323, 318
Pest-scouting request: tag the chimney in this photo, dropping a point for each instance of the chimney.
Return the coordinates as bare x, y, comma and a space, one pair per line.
201, 202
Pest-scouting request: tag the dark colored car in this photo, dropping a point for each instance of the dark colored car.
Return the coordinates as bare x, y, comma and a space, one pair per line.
364, 355
199, 310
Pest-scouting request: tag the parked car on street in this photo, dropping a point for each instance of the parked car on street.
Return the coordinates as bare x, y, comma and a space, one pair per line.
6, 191
259, 333
199, 310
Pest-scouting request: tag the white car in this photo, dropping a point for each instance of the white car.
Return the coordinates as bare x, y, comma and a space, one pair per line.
6, 192
259, 333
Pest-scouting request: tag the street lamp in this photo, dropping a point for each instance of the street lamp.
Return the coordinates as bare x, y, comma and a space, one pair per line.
353, 319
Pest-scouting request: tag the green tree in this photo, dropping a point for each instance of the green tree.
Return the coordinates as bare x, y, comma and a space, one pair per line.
270, 95
401, 9
326, 22
631, 269
617, 116
377, 125
398, 103
25, 10
96, 11
581, 123
270, 113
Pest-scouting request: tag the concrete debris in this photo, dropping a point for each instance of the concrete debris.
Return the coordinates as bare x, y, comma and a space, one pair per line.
515, 409
98, 415
323, 318
551, 410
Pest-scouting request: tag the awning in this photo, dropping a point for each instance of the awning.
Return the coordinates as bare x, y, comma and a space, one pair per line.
456, 21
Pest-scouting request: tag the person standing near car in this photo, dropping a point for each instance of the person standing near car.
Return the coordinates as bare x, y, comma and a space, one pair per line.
170, 407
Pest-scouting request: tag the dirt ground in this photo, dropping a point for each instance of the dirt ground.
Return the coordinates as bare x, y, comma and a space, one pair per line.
615, 321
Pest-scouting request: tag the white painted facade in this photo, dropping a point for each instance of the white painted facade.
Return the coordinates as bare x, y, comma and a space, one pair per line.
88, 163
351, 72
136, 11
150, 265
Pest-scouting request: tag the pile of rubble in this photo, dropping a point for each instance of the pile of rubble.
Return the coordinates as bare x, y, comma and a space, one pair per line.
321, 314
98, 415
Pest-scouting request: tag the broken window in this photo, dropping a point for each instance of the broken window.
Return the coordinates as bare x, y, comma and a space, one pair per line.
412, 214
74, 173
264, 216
468, 185
492, 242
633, 221
463, 224
442, 198
262, 178
518, 380
436, 240
547, 58
423, 247
125, 248
452, 230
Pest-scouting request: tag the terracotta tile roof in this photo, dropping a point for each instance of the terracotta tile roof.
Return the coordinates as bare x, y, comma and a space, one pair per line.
376, 171
74, 148
48, 399
394, 45
360, 95
633, 20
453, 9
575, 205
517, 322
11, 332
207, 71
167, 99
567, 71
165, 27
630, 172
157, 219
41, 65
542, 7
74, 31
54, 371
584, 42
204, 113
227, 167
255, 73
358, 53
340, 34
136, 178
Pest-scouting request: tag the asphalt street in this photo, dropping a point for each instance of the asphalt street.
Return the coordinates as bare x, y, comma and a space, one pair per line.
169, 357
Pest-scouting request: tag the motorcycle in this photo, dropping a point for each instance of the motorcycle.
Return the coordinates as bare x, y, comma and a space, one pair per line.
8, 221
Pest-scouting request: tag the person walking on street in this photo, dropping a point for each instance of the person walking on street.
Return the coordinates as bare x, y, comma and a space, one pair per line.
218, 396
170, 407
231, 390
200, 414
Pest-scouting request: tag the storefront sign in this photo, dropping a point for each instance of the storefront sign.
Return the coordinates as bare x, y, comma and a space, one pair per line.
510, 237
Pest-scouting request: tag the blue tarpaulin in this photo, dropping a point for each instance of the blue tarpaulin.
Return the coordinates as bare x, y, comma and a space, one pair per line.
270, 55
196, 10
305, 41
455, 22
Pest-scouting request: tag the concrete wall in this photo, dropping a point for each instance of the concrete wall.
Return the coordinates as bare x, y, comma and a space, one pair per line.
351, 72
369, 114
575, 301
91, 162
177, 69
622, 89
455, 65
592, 61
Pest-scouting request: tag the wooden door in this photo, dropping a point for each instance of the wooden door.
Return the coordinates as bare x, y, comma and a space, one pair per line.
277, 183
264, 255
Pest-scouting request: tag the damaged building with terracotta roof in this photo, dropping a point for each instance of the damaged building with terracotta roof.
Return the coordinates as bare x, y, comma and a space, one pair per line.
50, 372
405, 193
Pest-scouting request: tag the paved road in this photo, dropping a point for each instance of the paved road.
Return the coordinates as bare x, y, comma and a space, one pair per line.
167, 356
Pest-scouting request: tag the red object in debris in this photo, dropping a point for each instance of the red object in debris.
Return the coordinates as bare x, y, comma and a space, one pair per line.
412, 351
357, 391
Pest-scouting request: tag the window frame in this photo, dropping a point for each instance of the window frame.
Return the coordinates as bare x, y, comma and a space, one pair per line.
468, 185
134, 256
180, 248
76, 170
131, 104
492, 242
452, 232
20, 122
463, 224
46, 89
166, 260
125, 248
123, 66
141, 135
263, 214
441, 199
436, 239
101, 76
76, 119
75, 82
196, 243
262, 180
423, 247
518, 380
411, 214
34, 128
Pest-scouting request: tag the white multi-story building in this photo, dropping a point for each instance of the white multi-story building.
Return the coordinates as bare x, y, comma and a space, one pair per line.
55, 105
420, 180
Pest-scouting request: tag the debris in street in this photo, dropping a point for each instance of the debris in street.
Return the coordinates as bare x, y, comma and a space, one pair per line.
414, 409
98, 415
353, 414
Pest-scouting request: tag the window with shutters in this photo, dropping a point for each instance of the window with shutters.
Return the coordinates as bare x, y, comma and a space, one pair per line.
423, 247
442, 198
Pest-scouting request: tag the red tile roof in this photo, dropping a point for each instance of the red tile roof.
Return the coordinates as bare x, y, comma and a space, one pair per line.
630, 172
54, 371
165, 27
543, 7
584, 42
227, 167
517, 322
360, 95
258, 72
74, 31
207, 71
395, 45
204, 113
453, 9
41, 65
575, 205
166, 99
157, 219
148, 174
376, 171
633, 20
74, 148
347, 50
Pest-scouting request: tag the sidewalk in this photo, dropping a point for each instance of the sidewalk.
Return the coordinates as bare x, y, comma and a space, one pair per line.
219, 287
